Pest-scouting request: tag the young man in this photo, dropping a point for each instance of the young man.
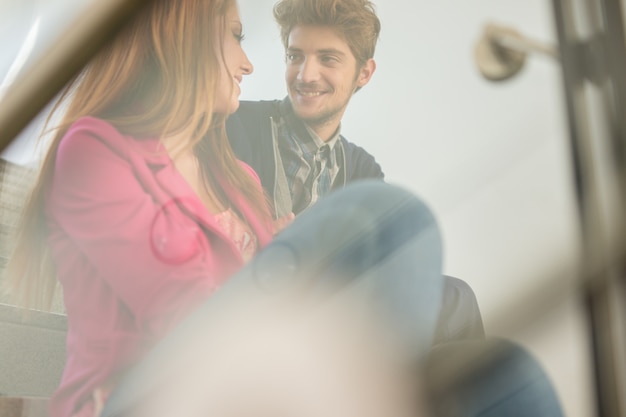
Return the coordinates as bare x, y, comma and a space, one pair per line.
295, 144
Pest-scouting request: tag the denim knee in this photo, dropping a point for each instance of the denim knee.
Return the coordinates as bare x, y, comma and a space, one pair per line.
350, 231
490, 378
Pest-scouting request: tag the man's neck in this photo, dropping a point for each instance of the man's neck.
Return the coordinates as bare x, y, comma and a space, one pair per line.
325, 131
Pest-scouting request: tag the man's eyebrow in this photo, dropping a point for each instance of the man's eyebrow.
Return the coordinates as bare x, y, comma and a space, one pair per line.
331, 51
319, 51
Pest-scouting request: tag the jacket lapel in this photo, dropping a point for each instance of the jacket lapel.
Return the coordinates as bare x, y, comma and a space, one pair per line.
170, 187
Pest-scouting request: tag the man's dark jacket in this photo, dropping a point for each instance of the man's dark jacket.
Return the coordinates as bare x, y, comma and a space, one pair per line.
250, 133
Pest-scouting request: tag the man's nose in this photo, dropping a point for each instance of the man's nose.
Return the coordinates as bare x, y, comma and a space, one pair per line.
309, 71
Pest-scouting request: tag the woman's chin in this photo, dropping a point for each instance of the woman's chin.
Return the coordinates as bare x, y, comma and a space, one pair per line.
226, 111
234, 105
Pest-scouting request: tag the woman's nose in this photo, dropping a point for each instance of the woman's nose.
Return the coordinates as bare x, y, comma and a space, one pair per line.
247, 66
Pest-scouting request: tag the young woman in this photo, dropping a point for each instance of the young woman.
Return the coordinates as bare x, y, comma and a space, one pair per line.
142, 212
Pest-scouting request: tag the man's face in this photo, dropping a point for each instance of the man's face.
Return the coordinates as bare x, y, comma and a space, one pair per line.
322, 74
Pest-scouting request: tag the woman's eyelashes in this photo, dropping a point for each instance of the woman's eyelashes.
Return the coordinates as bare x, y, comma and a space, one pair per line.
239, 36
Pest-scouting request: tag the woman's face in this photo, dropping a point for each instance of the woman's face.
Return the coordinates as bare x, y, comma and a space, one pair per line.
234, 66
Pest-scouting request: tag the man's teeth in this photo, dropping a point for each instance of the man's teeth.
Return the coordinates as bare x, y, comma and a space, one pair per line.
310, 93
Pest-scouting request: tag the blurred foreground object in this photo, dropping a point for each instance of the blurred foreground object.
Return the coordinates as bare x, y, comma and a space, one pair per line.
592, 57
286, 354
30, 92
501, 52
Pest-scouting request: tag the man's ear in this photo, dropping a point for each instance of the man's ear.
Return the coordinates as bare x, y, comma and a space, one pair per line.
366, 72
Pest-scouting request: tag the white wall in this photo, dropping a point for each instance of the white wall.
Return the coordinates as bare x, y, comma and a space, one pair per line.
492, 160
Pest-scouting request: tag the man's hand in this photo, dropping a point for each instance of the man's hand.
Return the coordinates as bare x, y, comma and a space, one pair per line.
281, 223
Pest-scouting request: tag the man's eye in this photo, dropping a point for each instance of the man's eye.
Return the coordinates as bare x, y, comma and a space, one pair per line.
292, 57
239, 36
329, 59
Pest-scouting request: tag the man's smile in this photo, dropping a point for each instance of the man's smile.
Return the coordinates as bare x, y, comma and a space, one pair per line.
309, 90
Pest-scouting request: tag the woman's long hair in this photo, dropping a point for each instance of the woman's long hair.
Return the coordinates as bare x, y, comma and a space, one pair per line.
157, 78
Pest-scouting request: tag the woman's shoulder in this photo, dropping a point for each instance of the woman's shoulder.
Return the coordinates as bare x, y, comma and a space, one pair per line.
91, 134
93, 127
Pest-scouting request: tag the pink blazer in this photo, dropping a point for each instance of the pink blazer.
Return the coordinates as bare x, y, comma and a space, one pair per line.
135, 251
